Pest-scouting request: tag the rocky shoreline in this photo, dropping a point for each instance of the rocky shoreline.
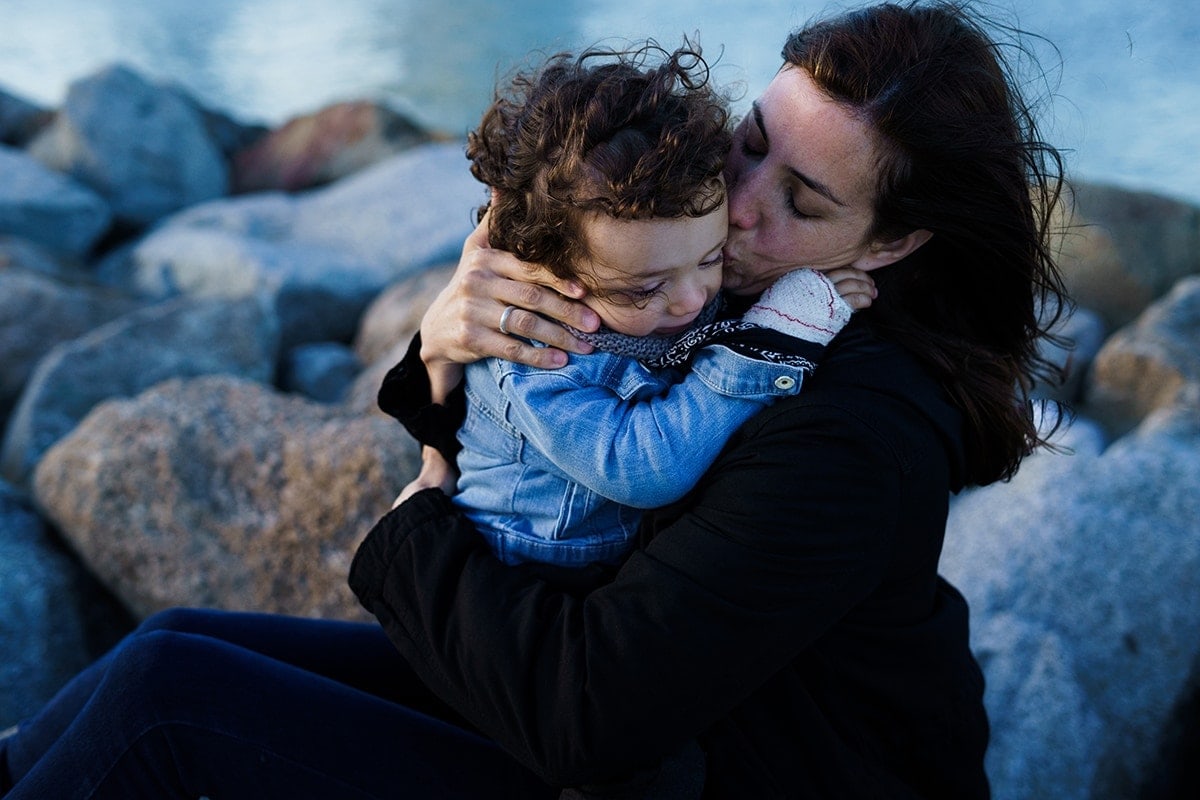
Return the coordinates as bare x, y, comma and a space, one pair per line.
195, 314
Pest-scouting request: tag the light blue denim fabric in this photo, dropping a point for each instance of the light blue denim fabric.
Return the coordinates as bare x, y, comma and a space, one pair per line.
556, 463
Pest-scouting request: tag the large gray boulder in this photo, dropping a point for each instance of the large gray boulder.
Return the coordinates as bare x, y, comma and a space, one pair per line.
46, 631
221, 492
144, 148
43, 206
1083, 575
180, 338
38, 312
322, 256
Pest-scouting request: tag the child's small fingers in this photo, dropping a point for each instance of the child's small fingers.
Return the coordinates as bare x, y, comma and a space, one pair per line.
858, 300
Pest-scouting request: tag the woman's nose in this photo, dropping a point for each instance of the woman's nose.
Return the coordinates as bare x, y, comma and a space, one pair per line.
740, 199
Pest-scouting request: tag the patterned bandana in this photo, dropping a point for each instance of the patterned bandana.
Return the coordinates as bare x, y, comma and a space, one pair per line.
658, 352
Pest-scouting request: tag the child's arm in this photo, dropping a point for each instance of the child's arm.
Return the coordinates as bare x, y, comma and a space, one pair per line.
806, 304
646, 451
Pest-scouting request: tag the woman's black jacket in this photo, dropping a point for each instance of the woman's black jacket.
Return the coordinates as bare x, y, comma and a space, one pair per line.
787, 613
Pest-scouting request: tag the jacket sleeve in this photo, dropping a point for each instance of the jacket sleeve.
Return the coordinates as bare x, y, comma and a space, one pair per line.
641, 449
405, 394
775, 546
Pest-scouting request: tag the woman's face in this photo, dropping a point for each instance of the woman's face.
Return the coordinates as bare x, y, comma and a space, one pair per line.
801, 181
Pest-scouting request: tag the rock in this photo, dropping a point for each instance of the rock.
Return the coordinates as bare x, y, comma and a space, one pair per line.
317, 293
221, 492
21, 254
48, 630
362, 396
387, 327
321, 148
38, 312
20, 120
322, 257
1035, 695
1082, 575
321, 371
142, 147
181, 338
1125, 249
44, 207
229, 134
410, 212
395, 315
1148, 364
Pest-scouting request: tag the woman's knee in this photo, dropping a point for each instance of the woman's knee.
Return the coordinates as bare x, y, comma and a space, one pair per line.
180, 619
147, 653
160, 667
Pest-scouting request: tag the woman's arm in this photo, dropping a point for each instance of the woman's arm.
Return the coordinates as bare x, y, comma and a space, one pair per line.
462, 324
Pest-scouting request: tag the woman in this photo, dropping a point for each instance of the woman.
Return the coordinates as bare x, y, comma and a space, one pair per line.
786, 615
788, 612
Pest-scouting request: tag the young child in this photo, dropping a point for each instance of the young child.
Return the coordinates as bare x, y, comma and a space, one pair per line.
605, 170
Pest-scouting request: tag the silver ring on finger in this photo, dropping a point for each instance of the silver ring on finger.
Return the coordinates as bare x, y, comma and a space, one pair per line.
504, 315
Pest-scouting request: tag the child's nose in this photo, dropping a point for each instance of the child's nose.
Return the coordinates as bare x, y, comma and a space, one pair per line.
689, 299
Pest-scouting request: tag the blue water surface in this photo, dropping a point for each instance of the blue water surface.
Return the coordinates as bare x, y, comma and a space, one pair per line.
1124, 80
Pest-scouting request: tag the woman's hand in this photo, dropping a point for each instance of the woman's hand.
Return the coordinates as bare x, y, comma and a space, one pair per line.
855, 286
463, 323
436, 473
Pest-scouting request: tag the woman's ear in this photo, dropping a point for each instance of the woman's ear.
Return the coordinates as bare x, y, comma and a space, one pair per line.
880, 254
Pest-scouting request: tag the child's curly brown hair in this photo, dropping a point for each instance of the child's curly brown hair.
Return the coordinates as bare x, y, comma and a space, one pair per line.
634, 134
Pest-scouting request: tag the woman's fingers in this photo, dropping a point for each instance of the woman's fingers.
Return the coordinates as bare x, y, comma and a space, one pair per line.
463, 322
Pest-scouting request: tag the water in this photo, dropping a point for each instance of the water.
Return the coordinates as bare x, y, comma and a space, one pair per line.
1126, 91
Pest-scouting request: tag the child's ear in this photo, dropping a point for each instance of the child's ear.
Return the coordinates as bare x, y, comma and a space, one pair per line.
880, 254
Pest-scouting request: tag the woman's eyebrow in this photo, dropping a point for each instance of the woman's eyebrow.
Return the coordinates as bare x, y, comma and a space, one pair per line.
807, 180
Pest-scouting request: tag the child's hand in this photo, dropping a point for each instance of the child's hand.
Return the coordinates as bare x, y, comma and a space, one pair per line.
804, 304
436, 473
856, 287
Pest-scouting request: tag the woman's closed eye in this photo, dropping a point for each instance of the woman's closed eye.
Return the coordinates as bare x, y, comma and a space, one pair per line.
752, 148
790, 203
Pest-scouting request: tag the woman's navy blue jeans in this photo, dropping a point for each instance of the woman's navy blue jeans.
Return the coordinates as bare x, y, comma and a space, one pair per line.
222, 705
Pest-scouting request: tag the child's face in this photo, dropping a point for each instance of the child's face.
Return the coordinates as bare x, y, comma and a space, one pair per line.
653, 276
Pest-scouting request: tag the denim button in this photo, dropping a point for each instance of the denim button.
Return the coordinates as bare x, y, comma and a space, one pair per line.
785, 382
